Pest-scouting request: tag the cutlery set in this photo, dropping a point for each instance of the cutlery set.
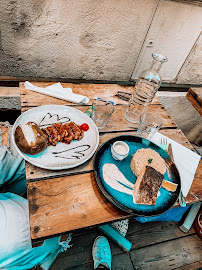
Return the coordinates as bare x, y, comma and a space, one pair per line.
168, 149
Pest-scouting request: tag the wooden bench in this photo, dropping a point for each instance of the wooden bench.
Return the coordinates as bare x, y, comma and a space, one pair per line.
194, 95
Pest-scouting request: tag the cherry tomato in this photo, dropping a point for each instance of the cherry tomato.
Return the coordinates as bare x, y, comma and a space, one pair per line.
84, 127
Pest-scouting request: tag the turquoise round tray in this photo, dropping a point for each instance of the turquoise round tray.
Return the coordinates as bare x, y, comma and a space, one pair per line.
125, 201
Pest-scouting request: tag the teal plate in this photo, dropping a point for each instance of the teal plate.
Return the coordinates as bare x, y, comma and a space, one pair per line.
124, 201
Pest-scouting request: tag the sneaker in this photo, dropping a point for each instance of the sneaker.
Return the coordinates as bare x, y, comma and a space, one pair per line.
101, 252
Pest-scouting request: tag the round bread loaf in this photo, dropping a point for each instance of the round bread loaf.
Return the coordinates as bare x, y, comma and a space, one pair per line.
147, 157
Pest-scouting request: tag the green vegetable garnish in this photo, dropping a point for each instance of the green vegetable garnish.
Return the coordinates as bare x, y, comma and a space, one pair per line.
150, 160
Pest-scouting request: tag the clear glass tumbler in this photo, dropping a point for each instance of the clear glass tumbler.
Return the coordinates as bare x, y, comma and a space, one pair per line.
149, 124
101, 112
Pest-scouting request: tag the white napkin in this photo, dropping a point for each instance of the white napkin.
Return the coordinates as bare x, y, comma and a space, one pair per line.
185, 160
56, 90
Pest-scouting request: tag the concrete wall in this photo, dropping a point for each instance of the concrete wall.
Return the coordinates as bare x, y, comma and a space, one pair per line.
100, 40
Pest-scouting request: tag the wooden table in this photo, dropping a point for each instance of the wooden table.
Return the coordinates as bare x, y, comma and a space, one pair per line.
194, 95
63, 201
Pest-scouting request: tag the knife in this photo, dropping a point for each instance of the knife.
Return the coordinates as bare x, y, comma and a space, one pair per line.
170, 152
182, 201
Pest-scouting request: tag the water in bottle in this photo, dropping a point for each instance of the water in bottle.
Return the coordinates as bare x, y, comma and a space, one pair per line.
145, 89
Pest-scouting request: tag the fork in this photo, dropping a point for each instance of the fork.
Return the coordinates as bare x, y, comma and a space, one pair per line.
164, 146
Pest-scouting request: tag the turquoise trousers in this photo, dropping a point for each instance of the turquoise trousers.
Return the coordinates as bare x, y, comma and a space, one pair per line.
16, 251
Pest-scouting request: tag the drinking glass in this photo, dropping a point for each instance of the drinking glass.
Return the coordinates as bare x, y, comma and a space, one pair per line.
149, 124
101, 112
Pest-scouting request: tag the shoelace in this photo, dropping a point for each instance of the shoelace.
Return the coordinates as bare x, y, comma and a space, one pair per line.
105, 255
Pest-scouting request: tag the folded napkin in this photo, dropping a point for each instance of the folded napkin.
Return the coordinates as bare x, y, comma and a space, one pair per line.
185, 160
56, 90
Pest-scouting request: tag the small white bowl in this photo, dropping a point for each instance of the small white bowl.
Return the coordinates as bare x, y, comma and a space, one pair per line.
119, 150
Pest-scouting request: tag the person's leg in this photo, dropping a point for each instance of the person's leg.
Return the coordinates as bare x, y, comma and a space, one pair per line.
101, 253
15, 242
16, 251
12, 165
12, 172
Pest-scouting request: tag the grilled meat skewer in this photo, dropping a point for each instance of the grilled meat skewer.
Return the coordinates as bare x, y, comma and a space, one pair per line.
76, 130
63, 133
51, 133
70, 137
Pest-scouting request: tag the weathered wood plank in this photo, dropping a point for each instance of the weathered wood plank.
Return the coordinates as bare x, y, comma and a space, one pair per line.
67, 204
81, 250
119, 262
195, 194
9, 91
194, 95
192, 266
151, 233
34, 173
122, 262
86, 266
141, 235
38, 198
168, 255
190, 2
4, 135
118, 122
79, 256
155, 232
105, 91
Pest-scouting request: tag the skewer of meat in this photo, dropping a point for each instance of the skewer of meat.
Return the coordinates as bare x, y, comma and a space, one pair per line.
61, 132
70, 137
81, 134
76, 130
51, 133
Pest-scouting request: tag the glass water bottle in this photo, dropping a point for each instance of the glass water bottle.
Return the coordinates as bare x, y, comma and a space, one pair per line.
146, 87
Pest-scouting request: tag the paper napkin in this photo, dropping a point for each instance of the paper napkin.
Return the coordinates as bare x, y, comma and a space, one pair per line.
185, 160
56, 90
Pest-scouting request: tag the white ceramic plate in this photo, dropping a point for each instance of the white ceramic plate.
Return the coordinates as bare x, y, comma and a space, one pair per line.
61, 156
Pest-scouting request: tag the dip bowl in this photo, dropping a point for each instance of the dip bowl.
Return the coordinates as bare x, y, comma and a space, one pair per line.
119, 150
